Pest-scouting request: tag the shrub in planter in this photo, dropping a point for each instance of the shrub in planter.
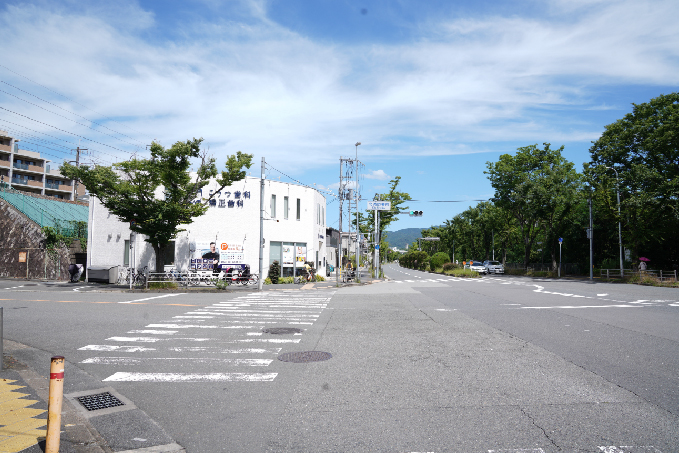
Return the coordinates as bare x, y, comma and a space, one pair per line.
438, 260
449, 266
274, 272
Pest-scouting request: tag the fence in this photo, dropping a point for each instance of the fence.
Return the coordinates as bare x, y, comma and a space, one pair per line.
660, 274
567, 268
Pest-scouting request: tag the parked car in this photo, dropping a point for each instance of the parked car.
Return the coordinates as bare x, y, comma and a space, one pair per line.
478, 266
494, 267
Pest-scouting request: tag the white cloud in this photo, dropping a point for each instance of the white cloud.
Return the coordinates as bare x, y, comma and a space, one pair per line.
377, 174
249, 84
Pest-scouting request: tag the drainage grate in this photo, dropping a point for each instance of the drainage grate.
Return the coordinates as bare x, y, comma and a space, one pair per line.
304, 357
282, 330
99, 401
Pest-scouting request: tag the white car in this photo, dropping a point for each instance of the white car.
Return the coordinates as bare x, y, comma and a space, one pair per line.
494, 267
478, 266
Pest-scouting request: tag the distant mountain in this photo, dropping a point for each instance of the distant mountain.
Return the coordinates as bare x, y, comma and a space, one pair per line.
402, 238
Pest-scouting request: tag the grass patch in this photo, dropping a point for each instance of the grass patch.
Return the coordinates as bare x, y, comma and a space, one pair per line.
465, 273
163, 285
650, 280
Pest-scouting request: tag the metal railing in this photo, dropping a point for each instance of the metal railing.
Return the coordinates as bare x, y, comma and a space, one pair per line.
20, 166
660, 274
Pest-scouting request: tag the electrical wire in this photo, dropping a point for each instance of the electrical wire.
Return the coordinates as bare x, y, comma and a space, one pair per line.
62, 130
65, 97
69, 119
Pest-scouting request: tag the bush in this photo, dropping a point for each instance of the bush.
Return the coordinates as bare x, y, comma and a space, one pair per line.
438, 260
285, 280
274, 272
267, 281
449, 266
320, 278
458, 272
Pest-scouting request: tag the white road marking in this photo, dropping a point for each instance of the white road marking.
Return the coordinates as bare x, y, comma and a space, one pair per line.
154, 332
586, 306
136, 360
188, 377
602, 295
150, 298
110, 347
518, 450
629, 449
225, 351
189, 326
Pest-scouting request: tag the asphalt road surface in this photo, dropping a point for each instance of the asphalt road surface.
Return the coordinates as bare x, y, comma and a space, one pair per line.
420, 363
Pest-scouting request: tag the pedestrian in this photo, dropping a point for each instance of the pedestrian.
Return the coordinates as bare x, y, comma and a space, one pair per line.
643, 266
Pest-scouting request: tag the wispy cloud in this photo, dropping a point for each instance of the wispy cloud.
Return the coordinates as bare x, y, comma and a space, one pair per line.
249, 84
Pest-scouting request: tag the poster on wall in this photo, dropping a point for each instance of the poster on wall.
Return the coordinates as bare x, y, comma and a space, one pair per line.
216, 255
288, 255
301, 254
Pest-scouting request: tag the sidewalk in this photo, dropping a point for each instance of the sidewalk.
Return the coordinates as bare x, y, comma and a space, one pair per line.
24, 392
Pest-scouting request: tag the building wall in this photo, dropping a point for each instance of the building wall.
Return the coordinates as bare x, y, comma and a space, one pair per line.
231, 220
22, 239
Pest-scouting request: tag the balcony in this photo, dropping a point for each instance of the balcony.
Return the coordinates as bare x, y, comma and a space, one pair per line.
20, 166
57, 186
20, 181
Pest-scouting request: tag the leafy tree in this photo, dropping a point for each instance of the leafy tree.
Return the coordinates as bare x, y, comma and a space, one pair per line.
539, 187
643, 148
128, 189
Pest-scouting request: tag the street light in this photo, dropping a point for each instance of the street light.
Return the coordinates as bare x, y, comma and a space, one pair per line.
618, 202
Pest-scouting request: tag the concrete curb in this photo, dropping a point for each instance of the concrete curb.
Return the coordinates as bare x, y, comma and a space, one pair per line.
101, 433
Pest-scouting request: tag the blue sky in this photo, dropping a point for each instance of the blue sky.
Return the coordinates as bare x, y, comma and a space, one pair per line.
433, 90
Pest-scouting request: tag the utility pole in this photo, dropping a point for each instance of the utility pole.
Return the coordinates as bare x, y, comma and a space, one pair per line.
356, 204
261, 267
590, 235
338, 268
75, 181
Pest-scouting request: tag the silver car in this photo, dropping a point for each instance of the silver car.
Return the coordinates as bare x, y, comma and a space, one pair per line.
478, 266
494, 267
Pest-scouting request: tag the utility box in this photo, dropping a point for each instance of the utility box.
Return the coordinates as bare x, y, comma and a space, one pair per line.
102, 274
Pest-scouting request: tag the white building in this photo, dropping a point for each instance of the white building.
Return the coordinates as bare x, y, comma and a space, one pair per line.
294, 230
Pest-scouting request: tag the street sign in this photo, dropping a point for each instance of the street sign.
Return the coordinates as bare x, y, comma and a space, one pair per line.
377, 247
560, 240
379, 205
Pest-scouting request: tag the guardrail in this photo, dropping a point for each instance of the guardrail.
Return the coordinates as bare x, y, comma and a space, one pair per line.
660, 274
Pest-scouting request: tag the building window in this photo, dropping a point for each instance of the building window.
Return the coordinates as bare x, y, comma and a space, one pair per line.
297, 217
169, 254
272, 207
285, 208
126, 253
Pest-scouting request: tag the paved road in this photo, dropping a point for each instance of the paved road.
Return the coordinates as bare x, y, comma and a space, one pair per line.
419, 363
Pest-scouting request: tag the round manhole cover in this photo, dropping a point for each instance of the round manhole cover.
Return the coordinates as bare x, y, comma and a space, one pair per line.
282, 330
305, 357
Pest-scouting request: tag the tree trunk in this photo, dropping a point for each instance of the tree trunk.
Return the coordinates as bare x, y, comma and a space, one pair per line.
158, 251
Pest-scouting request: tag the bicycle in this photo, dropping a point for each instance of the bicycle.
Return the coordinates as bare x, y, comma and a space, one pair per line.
139, 276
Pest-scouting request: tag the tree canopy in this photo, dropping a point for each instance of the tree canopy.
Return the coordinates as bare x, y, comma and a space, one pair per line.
128, 189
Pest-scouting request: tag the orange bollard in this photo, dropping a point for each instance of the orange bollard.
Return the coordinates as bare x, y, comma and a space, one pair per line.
54, 405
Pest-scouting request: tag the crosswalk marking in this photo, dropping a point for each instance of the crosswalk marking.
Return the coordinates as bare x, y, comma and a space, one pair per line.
231, 335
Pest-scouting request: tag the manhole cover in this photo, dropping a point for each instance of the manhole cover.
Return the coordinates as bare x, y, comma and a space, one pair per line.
99, 401
304, 357
282, 330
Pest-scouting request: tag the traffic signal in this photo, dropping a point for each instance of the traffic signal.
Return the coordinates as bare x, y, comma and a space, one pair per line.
415, 213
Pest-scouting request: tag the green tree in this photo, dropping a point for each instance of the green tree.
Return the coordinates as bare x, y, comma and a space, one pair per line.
539, 187
128, 189
396, 199
643, 148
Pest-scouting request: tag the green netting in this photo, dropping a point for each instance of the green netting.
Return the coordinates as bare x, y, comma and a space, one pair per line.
62, 216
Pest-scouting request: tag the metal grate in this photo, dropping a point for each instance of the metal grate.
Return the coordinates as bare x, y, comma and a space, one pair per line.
305, 357
99, 401
282, 330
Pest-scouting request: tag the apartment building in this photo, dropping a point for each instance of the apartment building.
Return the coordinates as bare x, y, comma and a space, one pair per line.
28, 172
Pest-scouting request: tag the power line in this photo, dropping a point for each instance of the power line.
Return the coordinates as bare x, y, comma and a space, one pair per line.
72, 113
293, 179
65, 97
70, 119
62, 130
57, 138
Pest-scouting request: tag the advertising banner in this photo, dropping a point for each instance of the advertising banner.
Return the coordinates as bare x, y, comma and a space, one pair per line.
288, 255
301, 254
216, 255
